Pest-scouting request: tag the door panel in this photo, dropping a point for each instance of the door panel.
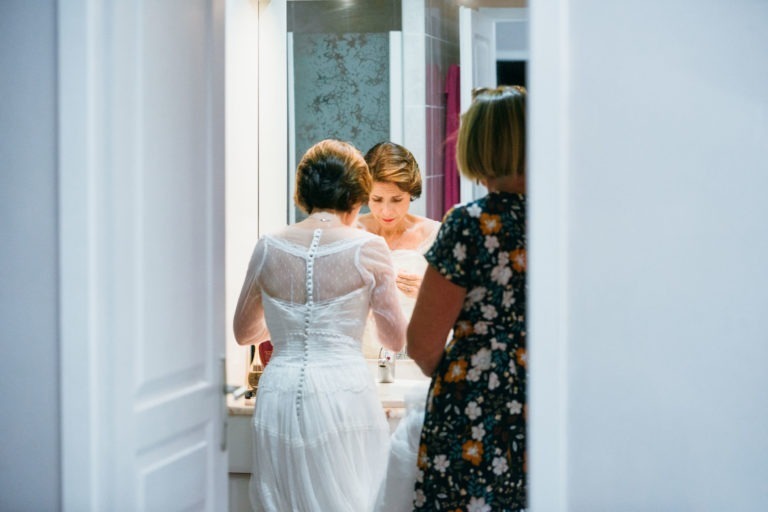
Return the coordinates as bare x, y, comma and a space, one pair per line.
478, 69
478, 50
155, 187
483, 50
176, 225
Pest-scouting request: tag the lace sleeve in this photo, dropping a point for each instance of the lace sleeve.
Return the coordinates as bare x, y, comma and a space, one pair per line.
385, 307
249, 324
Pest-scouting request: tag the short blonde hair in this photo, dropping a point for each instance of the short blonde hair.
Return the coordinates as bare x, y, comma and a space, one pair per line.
332, 175
392, 163
491, 140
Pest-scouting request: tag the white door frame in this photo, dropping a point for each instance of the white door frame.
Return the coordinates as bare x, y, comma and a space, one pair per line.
273, 118
242, 164
78, 153
548, 150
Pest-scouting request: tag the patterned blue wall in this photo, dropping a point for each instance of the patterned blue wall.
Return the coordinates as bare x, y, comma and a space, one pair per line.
341, 88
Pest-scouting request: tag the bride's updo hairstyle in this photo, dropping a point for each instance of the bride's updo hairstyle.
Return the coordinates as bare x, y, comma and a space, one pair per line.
332, 175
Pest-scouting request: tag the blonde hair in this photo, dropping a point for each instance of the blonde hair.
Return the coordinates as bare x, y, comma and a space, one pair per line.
392, 163
491, 140
332, 175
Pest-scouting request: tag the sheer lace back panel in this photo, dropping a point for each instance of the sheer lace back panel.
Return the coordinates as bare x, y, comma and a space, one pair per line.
317, 287
335, 272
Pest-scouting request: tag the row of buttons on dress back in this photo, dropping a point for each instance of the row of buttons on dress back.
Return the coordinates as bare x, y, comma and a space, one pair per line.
308, 314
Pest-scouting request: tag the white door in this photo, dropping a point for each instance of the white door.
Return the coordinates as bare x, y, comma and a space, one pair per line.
480, 43
478, 53
648, 287
478, 69
142, 237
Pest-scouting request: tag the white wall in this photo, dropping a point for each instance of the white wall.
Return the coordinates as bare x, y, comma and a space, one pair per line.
242, 157
649, 282
415, 89
29, 422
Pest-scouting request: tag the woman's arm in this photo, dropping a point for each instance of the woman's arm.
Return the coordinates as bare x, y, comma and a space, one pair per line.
249, 324
437, 308
385, 307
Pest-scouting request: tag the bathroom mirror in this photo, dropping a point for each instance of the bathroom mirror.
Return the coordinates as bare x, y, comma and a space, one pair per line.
372, 70
344, 68
423, 34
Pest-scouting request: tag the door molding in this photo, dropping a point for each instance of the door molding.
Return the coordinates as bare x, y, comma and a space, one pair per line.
80, 146
548, 145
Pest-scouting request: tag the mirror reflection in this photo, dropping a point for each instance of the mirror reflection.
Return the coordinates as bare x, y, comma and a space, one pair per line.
388, 71
344, 69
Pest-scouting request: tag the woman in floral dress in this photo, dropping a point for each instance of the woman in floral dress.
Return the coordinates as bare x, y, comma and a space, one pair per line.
472, 448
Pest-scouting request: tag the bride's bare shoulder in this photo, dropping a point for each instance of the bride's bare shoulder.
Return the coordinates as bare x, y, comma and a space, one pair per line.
427, 226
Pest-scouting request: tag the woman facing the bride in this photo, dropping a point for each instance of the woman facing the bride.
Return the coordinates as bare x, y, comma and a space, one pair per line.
396, 183
319, 431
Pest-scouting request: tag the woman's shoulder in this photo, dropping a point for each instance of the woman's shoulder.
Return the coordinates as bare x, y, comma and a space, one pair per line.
425, 225
296, 236
430, 224
494, 203
461, 220
461, 211
425, 230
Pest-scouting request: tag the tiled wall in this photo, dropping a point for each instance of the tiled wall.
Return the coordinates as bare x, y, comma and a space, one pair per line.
414, 88
442, 50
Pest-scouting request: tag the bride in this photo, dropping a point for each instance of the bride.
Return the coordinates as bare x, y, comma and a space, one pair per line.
397, 182
319, 432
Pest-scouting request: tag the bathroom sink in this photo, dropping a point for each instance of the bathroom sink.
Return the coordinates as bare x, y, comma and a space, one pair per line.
392, 394
404, 369
408, 377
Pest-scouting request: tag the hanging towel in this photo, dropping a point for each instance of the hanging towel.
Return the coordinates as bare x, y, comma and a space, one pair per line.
451, 195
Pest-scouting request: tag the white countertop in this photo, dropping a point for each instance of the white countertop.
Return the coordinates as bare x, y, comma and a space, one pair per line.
392, 395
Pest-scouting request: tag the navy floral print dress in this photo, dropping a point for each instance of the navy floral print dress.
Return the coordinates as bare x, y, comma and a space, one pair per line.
472, 448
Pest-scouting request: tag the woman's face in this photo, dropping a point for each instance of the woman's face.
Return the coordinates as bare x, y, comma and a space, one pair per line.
388, 204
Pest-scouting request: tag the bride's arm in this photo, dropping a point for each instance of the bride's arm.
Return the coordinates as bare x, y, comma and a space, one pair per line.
249, 324
385, 307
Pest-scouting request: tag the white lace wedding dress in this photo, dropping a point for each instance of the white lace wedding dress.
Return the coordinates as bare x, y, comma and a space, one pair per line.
320, 437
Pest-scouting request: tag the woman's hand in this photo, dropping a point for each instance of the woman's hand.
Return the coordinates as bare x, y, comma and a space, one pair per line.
409, 284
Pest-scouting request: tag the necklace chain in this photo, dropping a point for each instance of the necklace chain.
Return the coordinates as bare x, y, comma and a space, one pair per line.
321, 219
